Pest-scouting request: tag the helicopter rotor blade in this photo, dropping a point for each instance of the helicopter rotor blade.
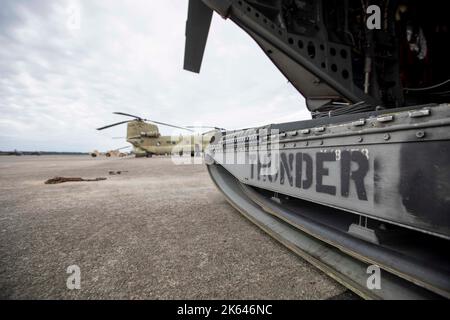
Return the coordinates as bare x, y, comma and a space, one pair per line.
167, 124
197, 29
127, 115
205, 127
142, 119
113, 125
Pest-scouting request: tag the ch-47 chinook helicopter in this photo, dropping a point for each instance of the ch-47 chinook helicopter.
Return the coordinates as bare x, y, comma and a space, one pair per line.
147, 141
367, 180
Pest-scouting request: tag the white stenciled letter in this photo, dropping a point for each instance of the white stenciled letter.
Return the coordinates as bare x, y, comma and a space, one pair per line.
374, 17
374, 280
74, 280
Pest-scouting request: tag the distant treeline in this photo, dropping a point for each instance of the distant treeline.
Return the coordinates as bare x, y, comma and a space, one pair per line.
40, 153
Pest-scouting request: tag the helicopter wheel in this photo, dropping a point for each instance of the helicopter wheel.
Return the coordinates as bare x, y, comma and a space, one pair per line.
149, 155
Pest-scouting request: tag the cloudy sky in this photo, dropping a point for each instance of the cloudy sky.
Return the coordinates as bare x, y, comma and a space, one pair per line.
65, 66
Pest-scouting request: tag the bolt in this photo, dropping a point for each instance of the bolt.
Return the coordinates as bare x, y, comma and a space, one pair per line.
360, 139
420, 134
387, 136
321, 142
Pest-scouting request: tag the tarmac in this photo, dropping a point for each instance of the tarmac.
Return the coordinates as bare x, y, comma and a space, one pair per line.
155, 231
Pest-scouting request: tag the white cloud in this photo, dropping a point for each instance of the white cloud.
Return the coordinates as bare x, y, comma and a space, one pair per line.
58, 84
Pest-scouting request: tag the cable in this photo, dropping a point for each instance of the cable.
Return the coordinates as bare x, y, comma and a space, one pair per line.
333, 111
428, 88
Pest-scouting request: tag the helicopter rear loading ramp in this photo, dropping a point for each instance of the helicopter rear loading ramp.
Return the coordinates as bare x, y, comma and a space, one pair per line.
321, 222
367, 181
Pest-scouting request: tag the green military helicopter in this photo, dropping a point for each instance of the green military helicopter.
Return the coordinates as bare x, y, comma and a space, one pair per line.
147, 141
